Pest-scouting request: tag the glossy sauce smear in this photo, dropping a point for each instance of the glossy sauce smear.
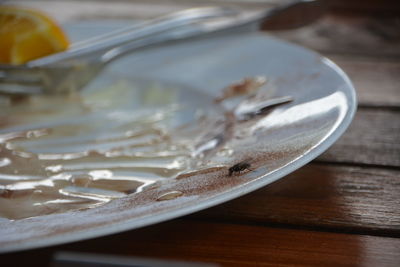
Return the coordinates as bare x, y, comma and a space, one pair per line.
61, 153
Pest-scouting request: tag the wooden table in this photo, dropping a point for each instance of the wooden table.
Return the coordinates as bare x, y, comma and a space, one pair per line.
341, 209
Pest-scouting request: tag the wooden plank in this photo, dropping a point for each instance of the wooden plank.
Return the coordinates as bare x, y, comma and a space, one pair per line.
377, 81
234, 245
372, 138
349, 35
365, 200
366, 6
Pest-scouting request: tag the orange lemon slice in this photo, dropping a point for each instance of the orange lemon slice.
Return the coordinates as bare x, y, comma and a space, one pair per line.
27, 34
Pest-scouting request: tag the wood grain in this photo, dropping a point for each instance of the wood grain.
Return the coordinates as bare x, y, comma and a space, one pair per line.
359, 199
350, 35
235, 245
372, 138
366, 6
377, 81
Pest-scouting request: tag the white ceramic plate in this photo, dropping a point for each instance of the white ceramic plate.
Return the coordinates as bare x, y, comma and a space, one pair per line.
190, 74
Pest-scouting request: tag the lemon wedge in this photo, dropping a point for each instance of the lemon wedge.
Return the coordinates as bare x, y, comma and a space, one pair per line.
27, 34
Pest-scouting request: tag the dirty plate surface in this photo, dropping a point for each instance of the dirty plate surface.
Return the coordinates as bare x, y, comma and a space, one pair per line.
163, 133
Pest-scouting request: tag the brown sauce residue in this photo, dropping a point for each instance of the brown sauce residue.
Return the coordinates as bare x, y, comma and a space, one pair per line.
245, 86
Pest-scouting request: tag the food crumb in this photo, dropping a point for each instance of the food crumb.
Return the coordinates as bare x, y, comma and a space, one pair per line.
170, 195
245, 86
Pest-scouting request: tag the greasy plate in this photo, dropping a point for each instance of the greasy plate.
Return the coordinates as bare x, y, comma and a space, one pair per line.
273, 143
